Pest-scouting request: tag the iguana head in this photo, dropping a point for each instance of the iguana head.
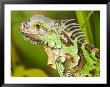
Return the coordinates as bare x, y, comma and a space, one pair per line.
36, 28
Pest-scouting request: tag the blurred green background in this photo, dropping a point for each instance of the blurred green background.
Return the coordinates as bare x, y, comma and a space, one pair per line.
31, 60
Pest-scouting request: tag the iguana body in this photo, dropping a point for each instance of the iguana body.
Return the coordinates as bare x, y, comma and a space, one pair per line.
68, 50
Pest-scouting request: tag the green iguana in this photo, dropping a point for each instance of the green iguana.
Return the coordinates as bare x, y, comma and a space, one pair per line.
68, 50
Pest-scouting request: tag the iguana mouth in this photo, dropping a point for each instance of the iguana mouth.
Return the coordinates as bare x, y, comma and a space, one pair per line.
34, 32
32, 39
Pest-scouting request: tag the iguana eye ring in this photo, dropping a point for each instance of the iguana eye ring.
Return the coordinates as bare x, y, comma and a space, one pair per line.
37, 26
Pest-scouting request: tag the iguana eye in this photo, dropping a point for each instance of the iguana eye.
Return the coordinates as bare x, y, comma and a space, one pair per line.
37, 26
